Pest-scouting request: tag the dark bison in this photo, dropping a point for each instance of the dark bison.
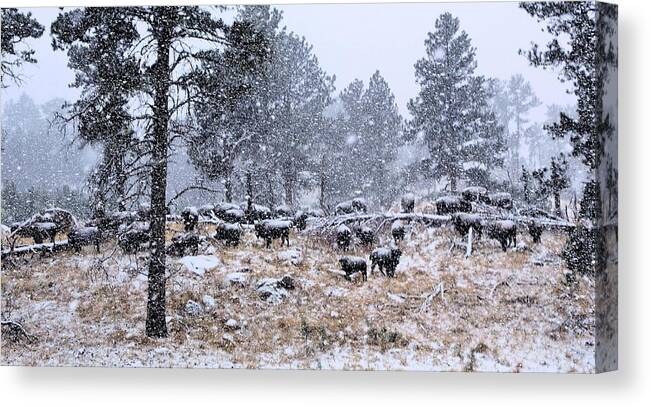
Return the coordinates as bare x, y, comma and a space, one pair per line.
475, 194
269, 230
504, 231
344, 237
407, 203
228, 232
132, 236
229, 212
501, 200
398, 230
365, 235
464, 221
190, 216
300, 220
357, 205
386, 259
255, 212
85, 236
451, 204
184, 242
283, 211
351, 265
36, 229
535, 230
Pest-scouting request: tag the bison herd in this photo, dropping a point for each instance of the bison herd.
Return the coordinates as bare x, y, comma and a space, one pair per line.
230, 220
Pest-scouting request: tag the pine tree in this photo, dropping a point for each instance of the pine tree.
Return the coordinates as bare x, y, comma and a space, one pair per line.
585, 57
558, 179
520, 99
448, 111
228, 119
16, 28
583, 61
108, 77
160, 38
298, 93
372, 131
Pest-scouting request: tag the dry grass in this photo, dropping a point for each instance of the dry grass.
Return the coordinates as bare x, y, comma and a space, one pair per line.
498, 310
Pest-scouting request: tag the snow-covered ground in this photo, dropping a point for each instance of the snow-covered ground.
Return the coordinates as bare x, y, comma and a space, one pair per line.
496, 311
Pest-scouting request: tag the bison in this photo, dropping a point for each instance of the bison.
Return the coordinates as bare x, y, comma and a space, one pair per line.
398, 230
269, 230
132, 236
255, 213
407, 203
452, 204
501, 200
535, 230
85, 236
344, 237
386, 259
475, 194
184, 242
365, 235
351, 265
300, 220
228, 232
504, 231
190, 217
283, 211
464, 221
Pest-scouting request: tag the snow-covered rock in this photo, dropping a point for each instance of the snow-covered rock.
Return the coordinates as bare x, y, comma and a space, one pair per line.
231, 324
335, 291
200, 264
237, 279
193, 308
274, 290
293, 256
208, 301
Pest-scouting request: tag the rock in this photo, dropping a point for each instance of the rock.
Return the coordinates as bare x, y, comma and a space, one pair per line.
193, 308
397, 298
208, 301
335, 292
200, 264
231, 324
293, 256
236, 279
274, 290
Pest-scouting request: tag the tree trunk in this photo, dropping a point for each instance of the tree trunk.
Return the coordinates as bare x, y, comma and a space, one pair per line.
289, 190
121, 180
557, 203
322, 187
228, 184
249, 190
453, 183
156, 325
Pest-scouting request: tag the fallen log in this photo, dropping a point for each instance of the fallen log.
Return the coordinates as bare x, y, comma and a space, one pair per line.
60, 245
430, 220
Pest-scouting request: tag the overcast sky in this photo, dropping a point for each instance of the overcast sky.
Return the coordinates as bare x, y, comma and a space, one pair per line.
353, 40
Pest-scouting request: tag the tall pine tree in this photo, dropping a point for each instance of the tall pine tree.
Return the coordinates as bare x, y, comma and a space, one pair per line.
449, 108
